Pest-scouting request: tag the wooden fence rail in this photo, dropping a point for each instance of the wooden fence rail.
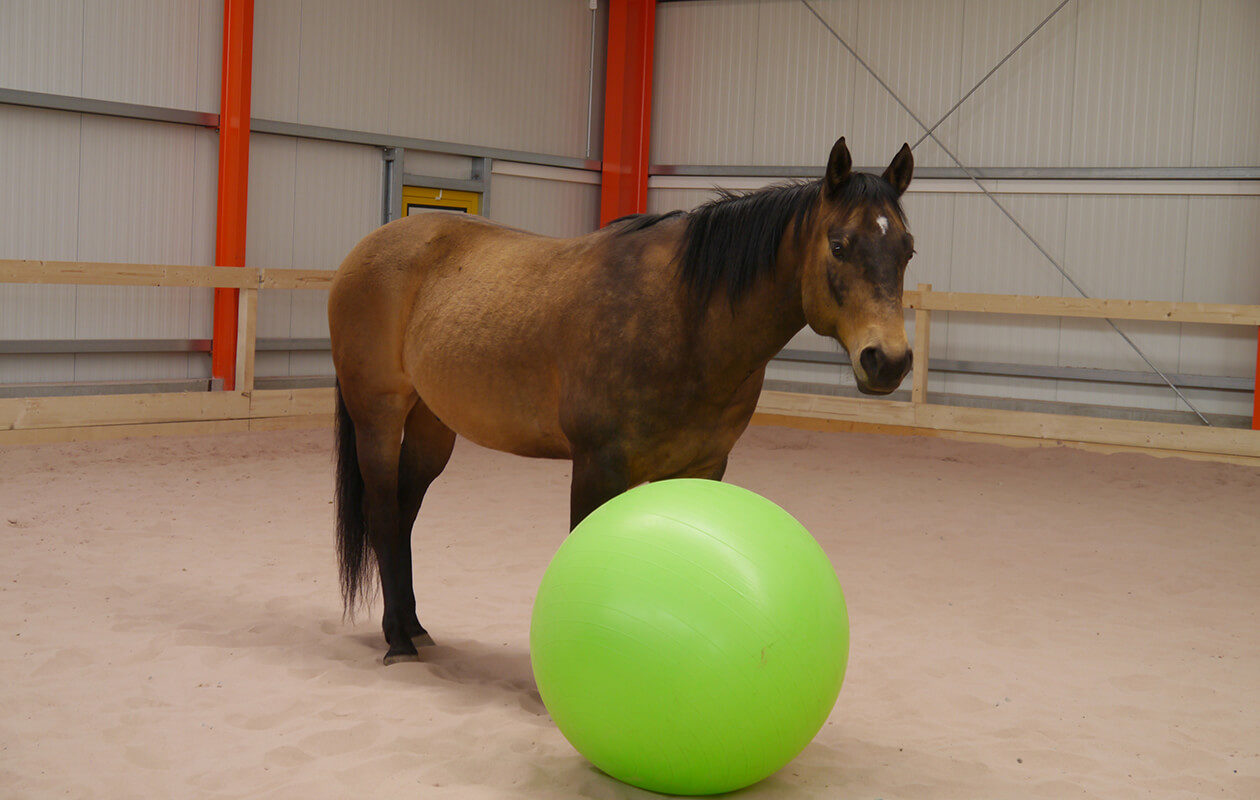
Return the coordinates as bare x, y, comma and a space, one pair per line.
44, 419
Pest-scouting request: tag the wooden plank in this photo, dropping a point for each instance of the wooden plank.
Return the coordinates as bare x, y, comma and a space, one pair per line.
922, 343
246, 339
291, 402
296, 278
846, 426
120, 409
1213, 313
886, 412
109, 274
1133, 433
298, 422
96, 433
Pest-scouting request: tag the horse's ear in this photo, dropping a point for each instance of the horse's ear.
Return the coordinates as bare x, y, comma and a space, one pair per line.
838, 167
900, 170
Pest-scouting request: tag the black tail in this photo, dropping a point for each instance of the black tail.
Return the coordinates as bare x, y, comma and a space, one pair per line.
354, 551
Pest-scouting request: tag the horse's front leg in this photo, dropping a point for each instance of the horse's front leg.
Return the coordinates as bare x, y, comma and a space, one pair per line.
598, 476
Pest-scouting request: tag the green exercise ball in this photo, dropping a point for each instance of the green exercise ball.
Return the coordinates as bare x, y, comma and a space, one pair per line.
689, 637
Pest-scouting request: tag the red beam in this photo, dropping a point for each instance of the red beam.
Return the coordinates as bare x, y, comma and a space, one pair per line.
229, 240
627, 108
1255, 409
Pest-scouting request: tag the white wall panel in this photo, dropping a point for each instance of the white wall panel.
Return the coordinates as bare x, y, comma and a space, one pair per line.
39, 206
916, 49
528, 89
345, 63
151, 52
1222, 266
804, 85
552, 208
1134, 88
1123, 247
1227, 100
135, 205
704, 82
277, 51
269, 233
1022, 115
337, 196
41, 45
990, 255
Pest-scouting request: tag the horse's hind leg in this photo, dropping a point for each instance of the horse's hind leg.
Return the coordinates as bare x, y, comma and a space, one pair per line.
426, 448
379, 420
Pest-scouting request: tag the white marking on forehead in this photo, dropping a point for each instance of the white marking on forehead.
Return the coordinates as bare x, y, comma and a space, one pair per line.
882, 222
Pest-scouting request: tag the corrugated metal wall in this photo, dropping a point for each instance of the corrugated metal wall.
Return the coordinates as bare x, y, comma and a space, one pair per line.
497, 73
1112, 83
1105, 83
83, 187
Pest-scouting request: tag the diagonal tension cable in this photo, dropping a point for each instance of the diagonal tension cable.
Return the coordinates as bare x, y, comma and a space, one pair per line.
1129, 341
989, 74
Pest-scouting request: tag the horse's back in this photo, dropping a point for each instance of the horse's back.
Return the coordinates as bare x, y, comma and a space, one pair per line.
467, 314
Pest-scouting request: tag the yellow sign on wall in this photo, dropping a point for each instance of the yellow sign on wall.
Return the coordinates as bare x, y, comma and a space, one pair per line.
419, 198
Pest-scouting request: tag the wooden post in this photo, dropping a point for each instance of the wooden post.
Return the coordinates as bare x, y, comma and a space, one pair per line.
246, 340
922, 331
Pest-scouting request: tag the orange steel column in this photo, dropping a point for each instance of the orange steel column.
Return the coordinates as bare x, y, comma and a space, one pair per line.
229, 240
627, 108
1255, 397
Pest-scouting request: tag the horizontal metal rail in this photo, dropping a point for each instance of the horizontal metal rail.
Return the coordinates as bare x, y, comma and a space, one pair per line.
112, 108
991, 173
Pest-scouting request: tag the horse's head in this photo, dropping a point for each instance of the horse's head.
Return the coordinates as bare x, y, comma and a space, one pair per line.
854, 264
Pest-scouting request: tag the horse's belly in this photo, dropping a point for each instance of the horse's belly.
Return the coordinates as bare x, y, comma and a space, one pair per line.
497, 405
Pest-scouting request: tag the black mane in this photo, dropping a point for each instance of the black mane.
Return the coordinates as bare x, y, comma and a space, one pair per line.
733, 240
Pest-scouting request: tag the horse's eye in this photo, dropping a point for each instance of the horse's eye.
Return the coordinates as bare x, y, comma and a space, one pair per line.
837, 249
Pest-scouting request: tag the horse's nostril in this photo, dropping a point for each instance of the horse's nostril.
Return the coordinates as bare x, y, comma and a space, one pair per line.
872, 361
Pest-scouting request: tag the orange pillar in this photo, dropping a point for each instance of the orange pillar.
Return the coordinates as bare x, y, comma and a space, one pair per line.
627, 108
1255, 397
229, 240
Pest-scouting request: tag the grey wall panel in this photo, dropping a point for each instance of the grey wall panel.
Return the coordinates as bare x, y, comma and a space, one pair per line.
1227, 103
204, 190
804, 85
1222, 266
151, 52
337, 203
916, 48
270, 230
1134, 87
344, 63
704, 80
41, 45
553, 208
1124, 247
494, 72
39, 206
1021, 116
437, 165
990, 255
529, 89
135, 206
277, 48
660, 201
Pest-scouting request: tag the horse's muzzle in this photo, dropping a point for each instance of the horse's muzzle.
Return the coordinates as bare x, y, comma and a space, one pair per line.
883, 374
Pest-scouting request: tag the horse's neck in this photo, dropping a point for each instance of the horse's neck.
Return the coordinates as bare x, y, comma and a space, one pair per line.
743, 339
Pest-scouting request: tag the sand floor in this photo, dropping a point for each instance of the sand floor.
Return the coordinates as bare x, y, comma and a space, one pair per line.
1025, 624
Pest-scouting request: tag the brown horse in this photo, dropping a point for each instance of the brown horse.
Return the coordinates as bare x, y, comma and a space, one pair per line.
637, 351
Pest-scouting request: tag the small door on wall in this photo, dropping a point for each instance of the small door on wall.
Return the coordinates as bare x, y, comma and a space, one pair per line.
417, 199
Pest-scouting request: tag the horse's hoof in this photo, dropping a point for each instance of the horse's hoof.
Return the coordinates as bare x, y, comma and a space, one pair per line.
423, 640
395, 658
